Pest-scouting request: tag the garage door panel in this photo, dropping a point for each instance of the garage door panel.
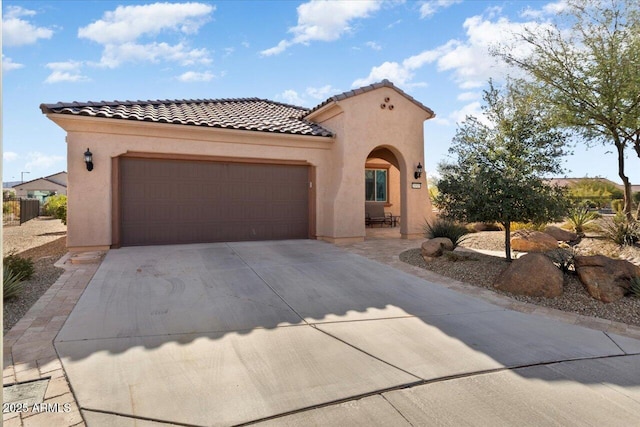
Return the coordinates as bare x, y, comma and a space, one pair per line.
171, 201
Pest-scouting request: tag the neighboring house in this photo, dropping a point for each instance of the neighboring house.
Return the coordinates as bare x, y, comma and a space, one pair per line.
42, 188
189, 171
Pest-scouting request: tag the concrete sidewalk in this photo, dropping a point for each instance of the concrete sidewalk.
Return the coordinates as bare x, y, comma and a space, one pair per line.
302, 332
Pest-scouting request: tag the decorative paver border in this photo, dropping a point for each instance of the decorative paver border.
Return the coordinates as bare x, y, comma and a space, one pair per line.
29, 354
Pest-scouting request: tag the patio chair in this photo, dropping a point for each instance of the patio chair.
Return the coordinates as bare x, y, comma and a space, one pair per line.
374, 214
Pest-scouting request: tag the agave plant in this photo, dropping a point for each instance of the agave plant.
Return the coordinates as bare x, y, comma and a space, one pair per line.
445, 228
11, 283
579, 216
635, 287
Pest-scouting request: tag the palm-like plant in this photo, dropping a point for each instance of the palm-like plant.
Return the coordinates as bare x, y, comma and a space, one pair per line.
579, 216
11, 283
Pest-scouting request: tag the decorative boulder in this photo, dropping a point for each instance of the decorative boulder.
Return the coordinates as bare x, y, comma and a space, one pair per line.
606, 279
433, 248
532, 241
560, 234
532, 275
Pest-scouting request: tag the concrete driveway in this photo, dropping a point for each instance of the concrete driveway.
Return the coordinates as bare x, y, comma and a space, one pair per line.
305, 333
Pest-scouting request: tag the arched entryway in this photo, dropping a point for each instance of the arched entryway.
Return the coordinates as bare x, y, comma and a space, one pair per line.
383, 195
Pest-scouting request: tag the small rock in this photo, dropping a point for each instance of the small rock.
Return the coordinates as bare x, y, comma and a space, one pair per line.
532, 241
606, 279
532, 275
560, 234
435, 247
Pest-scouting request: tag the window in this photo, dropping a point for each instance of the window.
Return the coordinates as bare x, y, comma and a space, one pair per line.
375, 185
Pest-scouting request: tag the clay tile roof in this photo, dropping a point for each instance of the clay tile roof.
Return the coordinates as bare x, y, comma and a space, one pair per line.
358, 91
252, 114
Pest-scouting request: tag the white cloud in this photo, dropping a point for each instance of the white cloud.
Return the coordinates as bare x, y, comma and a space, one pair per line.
469, 96
245, 45
430, 7
323, 92
69, 71
119, 32
290, 96
8, 64
473, 109
9, 156
38, 160
373, 45
114, 55
392, 71
228, 51
548, 9
128, 23
393, 24
324, 21
193, 76
316, 94
468, 60
17, 31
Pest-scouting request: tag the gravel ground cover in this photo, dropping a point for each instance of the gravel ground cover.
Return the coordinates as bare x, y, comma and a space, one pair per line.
481, 270
38, 231
44, 241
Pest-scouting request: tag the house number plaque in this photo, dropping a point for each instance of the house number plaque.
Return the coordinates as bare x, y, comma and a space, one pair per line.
416, 185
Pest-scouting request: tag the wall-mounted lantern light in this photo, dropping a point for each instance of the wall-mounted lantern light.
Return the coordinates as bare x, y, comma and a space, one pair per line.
418, 173
88, 159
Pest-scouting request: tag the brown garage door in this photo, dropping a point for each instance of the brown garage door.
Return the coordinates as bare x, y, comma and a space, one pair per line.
176, 201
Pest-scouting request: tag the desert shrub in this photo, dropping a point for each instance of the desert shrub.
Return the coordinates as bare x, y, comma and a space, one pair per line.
515, 226
11, 283
445, 228
617, 205
634, 289
56, 206
621, 231
563, 258
12, 206
21, 266
579, 216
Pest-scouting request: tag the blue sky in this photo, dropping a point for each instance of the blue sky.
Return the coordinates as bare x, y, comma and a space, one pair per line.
294, 52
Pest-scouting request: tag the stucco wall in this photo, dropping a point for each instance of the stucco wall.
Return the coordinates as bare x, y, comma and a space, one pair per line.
367, 126
359, 122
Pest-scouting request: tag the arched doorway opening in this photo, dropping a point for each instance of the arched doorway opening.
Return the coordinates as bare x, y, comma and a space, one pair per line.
383, 195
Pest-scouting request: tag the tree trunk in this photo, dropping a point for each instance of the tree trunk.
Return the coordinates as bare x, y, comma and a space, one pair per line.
507, 239
625, 180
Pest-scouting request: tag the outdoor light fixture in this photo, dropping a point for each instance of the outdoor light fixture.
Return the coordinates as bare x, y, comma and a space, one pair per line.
88, 159
418, 173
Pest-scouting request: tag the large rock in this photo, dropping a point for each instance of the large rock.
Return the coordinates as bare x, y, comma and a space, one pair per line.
532, 241
433, 248
606, 279
532, 275
560, 234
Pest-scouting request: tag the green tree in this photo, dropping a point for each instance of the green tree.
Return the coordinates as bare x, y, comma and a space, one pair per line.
498, 168
585, 67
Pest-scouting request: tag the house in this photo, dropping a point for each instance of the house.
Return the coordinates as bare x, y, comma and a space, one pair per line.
168, 172
42, 188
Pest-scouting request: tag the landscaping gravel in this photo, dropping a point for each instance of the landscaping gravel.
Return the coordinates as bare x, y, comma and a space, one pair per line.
482, 270
43, 241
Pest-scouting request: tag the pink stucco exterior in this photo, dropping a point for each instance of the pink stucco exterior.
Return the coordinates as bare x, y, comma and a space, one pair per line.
358, 122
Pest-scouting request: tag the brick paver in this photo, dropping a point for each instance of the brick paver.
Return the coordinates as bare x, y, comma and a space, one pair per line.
29, 353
